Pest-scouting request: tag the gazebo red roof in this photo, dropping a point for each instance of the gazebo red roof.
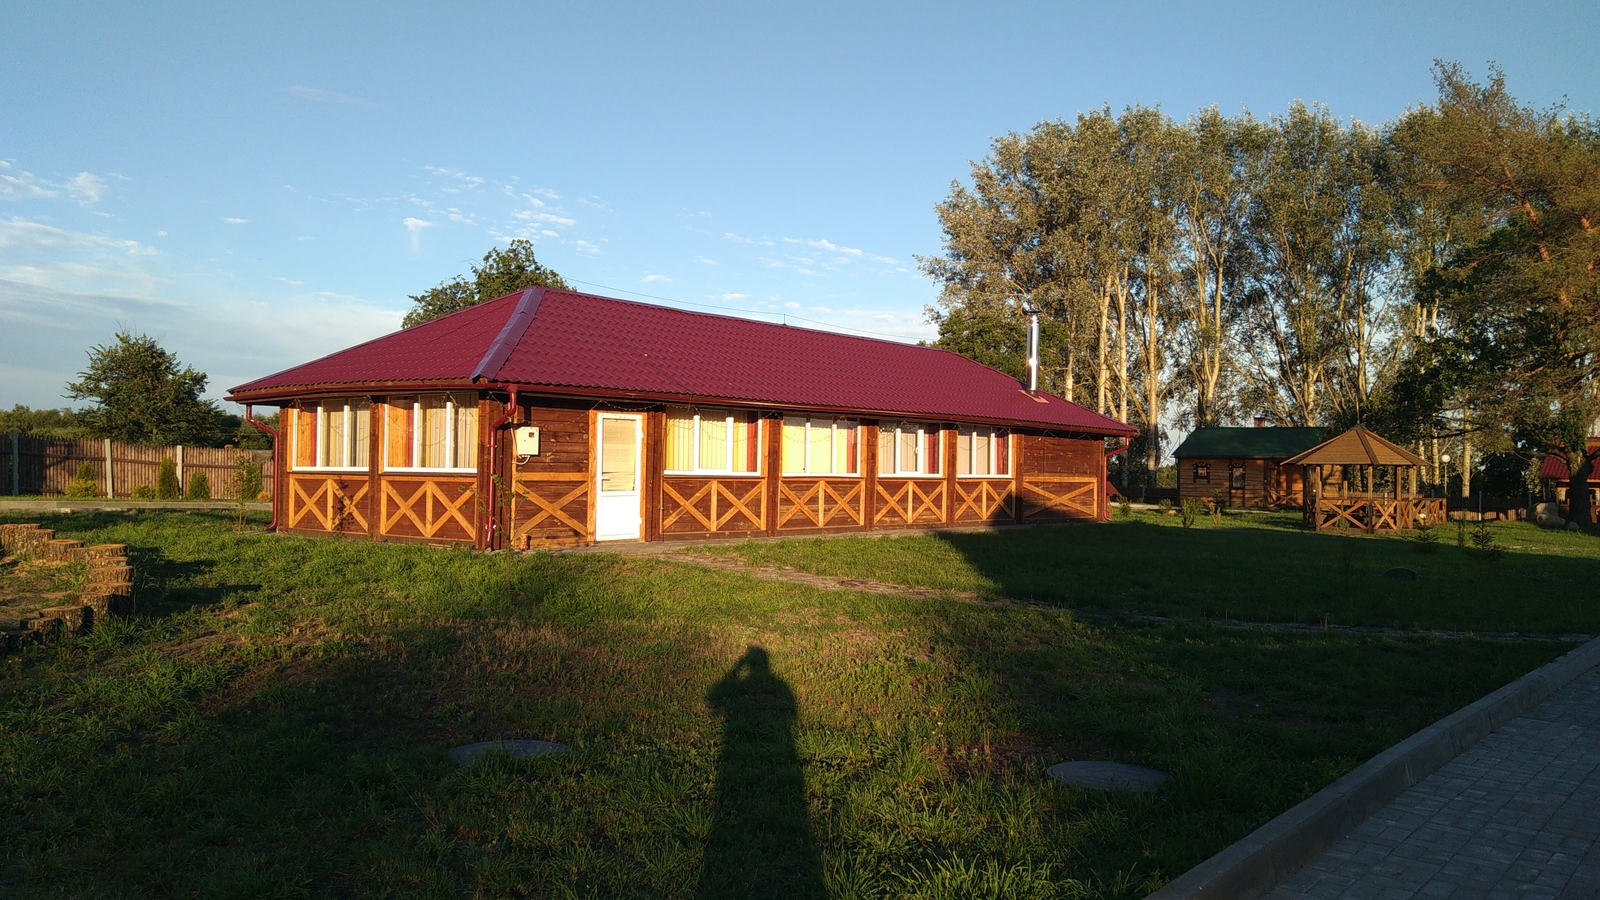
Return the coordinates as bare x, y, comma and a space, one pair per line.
568, 342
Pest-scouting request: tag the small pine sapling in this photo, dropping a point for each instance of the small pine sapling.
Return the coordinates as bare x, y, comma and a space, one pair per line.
83, 482
1192, 508
199, 487
1483, 543
1423, 538
167, 487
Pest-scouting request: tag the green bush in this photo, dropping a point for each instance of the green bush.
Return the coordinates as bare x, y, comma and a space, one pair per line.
1192, 508
199, 487
167, 487
84, 483
143, 492
1165, 506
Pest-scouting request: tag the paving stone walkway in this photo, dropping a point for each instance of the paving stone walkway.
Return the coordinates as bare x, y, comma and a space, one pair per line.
1516, 815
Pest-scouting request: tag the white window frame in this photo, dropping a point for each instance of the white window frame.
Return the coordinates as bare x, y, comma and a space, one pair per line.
833, 432
345, 452
728, 467
994, 434
416, 438
922, 451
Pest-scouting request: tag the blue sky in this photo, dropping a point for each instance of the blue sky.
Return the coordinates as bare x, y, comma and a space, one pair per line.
257, 188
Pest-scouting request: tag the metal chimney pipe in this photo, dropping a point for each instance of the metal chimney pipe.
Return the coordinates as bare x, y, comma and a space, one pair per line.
1033, 350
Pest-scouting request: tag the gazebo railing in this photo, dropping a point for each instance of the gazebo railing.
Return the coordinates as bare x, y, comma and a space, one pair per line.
1375, 514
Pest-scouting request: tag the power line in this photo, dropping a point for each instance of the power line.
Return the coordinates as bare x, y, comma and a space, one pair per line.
901, 339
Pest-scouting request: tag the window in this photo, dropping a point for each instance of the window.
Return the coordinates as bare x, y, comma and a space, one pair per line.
713, 440
1202, 472
332, 434
820, 446
434, 431
1236, 477
908, 448
983, 451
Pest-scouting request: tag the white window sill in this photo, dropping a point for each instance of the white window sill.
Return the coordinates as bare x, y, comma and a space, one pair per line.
984, 477
330, 470
712, 474
802, 475
925, 476
420, 471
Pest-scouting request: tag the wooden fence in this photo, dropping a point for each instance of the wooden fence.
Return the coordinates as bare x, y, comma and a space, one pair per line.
31, 465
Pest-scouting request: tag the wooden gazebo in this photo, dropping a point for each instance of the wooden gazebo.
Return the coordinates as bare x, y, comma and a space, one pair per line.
1332, 501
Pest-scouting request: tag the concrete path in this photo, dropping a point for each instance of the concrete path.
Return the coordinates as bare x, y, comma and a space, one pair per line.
1516, 815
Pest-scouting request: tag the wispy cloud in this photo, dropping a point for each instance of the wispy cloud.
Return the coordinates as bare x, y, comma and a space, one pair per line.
661, 278
233, 221
732, 297
318, 95
703, 260
22, 186
415, 226
86, 188
831, 247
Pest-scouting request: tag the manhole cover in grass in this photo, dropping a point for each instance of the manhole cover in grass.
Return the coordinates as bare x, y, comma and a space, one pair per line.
519, 749
1107, 776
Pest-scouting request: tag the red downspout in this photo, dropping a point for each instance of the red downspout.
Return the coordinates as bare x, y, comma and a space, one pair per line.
494, 462
1105, 473
272, 433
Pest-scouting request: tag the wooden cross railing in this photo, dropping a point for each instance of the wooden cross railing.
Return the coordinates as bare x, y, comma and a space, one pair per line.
329, 505
1072, 495
427, 507
814, 504
910, 500
724, 504
984, 499
524, 493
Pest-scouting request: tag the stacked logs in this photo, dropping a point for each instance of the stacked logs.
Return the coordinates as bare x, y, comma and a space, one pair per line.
107, 585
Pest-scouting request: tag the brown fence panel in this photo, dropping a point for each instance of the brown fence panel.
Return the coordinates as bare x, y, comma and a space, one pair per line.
46, 466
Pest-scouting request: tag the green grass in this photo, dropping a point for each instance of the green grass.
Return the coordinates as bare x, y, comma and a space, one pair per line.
1254, 566
275, 721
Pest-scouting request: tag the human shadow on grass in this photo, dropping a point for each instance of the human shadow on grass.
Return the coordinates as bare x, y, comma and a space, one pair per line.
761, 843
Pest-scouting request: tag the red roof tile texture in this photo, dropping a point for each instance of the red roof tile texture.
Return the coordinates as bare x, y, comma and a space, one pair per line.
596, 345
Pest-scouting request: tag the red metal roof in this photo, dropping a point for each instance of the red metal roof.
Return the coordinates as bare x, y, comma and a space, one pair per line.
1555, 468
598, 345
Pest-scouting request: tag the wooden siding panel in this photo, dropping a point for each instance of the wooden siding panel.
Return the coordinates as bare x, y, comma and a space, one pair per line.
911, 502
328, 503
712, 507
984, 501
1060, 478
552, 492
436, 508
817, 504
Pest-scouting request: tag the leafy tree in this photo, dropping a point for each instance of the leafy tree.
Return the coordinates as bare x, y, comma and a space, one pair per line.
502, 272
62, 424
1521, 295
143, 394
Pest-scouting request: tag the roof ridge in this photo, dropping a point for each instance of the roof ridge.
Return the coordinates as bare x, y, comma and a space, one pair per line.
510, 334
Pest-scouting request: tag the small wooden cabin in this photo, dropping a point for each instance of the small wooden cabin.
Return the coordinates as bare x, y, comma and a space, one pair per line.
548, 418
1244, 466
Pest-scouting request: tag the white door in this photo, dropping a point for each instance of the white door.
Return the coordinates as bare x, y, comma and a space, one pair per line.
617, 506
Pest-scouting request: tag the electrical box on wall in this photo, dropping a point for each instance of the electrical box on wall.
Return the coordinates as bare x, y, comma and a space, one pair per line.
527, 440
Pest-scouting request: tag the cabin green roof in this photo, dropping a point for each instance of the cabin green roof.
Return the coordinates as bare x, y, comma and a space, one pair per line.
1248, 443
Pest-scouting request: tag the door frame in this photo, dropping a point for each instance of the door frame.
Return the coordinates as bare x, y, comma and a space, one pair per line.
599, 471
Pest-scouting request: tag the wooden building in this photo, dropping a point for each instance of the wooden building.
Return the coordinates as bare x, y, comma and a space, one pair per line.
1244, 466
547, 418
1556, 479
1361, 480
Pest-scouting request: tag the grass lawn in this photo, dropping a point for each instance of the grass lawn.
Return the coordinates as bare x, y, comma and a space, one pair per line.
275, 720
1253, 566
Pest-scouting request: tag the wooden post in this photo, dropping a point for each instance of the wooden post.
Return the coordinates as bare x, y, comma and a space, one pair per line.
868, 457
182, 491
375, 451
773, 469
948, 448
110, 480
